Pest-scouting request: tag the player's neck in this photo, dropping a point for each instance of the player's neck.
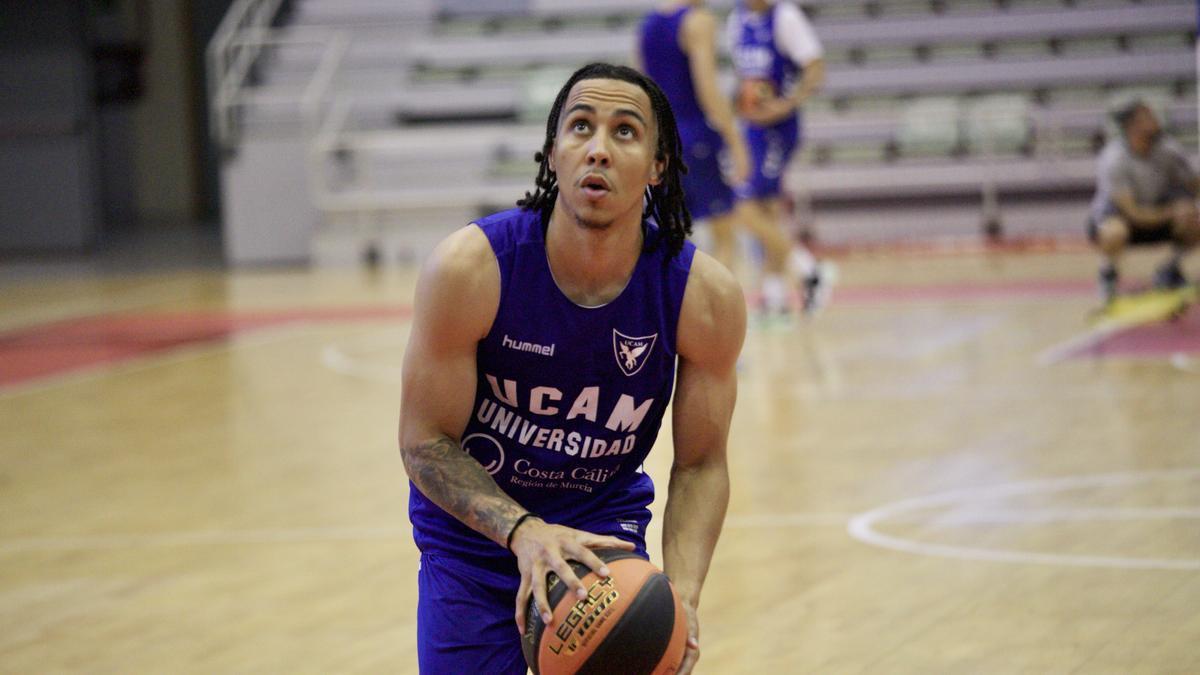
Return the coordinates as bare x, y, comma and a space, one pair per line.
592, 265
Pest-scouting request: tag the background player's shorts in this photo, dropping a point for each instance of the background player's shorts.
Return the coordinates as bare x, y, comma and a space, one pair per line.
465, 619
771, 149
704, 187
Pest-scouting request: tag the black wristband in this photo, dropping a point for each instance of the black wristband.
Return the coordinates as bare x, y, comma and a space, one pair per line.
528, 514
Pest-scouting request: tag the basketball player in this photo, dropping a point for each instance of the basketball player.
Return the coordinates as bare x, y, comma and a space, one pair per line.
677, 47
1145, 193
773, 41
545, 345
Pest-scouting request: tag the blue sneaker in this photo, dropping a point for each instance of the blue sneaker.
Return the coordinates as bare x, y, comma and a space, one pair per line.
1170, 276
1108, 284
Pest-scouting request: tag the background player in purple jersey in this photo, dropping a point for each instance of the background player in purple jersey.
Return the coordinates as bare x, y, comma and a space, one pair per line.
677, 47
572, 318
773, 42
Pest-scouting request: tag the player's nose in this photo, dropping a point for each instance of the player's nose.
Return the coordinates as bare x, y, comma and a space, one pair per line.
597, 151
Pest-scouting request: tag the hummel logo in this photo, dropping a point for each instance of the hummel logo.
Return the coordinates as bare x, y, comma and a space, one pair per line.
544, 350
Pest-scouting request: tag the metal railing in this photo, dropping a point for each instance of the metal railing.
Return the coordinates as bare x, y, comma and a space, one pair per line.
230, 57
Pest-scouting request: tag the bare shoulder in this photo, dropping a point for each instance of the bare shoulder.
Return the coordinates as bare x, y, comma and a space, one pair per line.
712, 321
460, 282
698, 26
462, 256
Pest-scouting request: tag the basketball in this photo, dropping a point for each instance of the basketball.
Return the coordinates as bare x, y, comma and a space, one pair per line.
752, 93
631, 622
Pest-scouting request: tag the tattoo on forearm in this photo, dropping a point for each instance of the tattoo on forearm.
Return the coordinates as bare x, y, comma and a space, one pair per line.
448, 476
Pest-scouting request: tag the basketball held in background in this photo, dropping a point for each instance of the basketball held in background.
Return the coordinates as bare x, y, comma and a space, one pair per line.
631, 622
752, 94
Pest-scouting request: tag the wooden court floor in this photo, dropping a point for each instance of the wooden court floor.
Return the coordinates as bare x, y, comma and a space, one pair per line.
949, 471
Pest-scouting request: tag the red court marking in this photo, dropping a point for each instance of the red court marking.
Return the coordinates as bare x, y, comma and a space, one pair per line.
1037, 289
1162, 340
958, 246
65, 346
964, 291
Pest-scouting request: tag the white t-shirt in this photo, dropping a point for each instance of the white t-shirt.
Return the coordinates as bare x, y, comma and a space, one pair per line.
1153, 180
794, 35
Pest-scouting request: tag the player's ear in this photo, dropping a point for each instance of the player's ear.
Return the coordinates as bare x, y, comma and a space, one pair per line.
658, 170
550, 157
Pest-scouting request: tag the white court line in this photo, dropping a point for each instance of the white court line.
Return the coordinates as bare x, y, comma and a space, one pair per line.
1038, 516
336, 358
1082, 342
1091, 337
1181, 361
862, 526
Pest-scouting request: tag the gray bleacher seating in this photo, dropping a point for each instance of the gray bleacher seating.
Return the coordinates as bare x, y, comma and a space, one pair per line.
1001, 57
891, 79
930, 126
998, 124
985, 46
1083, 21
918, 92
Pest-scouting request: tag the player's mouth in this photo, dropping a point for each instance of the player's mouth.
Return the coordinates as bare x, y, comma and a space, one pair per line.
594, 186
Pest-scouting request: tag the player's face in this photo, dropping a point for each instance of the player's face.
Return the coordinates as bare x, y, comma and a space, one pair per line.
1145, 123
604, 152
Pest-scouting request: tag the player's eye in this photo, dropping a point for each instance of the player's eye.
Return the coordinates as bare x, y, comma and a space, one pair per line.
626, 131
580, 126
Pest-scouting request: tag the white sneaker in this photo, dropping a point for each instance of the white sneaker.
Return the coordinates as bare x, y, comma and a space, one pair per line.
775, 295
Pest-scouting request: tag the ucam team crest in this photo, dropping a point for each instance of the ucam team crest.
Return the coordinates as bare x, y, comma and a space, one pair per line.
632, 352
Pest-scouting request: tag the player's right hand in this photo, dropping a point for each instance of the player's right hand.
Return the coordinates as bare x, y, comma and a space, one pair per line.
542, 548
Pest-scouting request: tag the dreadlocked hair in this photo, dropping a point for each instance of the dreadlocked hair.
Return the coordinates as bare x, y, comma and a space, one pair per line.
664, 202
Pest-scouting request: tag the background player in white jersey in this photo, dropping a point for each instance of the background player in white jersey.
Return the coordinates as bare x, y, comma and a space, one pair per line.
572, 318
1145, 193
780, 64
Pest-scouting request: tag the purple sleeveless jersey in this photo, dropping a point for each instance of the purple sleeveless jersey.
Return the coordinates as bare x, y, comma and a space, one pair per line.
569, 399
665, 62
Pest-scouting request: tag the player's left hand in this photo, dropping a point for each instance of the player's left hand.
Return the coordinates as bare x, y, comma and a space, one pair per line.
692, 653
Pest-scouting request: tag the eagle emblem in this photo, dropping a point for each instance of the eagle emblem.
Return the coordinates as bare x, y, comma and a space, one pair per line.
632, 352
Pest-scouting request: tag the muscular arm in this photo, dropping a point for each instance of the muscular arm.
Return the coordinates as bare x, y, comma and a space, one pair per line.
456, 300
712, 326
698, 39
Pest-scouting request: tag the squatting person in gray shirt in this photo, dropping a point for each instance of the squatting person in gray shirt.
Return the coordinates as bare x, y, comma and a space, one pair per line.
1145, 193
